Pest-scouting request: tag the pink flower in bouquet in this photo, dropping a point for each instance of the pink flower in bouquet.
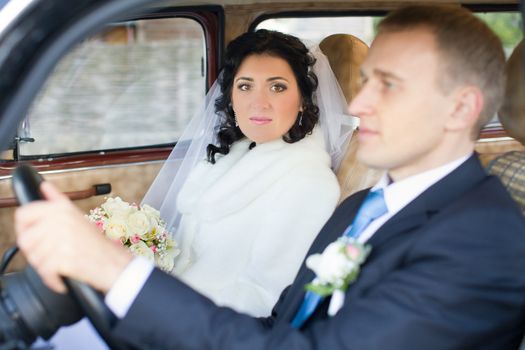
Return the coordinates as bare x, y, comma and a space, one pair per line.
99, 224
138, 228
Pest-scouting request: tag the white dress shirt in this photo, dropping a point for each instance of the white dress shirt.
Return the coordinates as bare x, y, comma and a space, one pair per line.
397, 195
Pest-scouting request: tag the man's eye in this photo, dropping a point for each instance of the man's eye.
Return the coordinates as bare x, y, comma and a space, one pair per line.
278, 87
389, 85
243, 87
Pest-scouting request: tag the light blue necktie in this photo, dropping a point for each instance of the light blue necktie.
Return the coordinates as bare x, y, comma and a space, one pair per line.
373, 207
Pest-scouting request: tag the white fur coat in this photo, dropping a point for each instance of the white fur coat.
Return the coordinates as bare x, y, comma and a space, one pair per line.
249, 219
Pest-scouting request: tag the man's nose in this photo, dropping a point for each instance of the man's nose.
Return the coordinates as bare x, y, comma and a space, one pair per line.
363, 102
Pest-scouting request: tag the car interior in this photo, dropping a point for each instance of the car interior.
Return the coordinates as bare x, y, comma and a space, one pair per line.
101, 94
115, 166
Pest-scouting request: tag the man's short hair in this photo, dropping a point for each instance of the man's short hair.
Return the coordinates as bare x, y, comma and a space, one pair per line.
471, 52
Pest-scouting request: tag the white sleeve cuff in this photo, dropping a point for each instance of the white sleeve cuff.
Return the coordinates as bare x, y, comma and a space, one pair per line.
128, 285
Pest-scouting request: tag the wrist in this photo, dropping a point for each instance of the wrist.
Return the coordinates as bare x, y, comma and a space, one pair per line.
113, 269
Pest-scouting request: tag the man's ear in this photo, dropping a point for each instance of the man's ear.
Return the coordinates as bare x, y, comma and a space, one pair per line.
468, 103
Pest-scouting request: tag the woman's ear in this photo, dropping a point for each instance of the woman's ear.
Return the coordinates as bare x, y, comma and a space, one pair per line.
468, 103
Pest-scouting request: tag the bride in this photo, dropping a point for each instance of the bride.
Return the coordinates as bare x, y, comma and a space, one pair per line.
250, 183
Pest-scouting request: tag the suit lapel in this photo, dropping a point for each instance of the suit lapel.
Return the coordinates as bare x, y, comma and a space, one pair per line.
432, 200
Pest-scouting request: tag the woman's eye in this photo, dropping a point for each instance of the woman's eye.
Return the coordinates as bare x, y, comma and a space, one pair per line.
278, 87
243, 87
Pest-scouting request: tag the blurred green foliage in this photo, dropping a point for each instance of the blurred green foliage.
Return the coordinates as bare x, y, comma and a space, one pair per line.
507, 25
375, 23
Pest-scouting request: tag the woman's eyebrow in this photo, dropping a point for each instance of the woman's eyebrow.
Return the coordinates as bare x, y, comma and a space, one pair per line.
269, 79
244, 78
277, 78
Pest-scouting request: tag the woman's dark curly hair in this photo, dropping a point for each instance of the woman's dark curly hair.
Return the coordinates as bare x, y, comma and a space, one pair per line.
276, 44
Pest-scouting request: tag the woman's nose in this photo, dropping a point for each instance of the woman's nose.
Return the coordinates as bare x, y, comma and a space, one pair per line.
260, 100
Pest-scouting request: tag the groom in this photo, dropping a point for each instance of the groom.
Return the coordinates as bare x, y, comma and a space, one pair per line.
447, 265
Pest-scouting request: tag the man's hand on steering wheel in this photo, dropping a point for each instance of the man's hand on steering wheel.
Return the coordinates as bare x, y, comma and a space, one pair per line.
58, 241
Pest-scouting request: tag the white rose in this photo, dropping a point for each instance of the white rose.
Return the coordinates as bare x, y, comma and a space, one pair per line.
115, 228
141, 249
151, 212
117, 207
332, 265
138, 223
166, 260
313, 262
154, 217
159, 229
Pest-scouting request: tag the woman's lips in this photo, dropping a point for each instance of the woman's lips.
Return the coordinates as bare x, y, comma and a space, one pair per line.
260, 120
365, 134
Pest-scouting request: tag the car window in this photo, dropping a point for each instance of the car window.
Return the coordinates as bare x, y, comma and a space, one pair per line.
135, 84
313, 29
507, 25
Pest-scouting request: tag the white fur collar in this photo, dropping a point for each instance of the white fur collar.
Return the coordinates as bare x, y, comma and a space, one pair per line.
216, 190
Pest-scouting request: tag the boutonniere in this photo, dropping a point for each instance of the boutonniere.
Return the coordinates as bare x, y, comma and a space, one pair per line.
335, 269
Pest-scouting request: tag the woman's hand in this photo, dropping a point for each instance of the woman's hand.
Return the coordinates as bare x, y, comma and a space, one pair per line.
58, 240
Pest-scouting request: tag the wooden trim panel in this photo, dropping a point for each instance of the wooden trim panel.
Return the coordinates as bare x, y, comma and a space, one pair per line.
95, 190
91, 160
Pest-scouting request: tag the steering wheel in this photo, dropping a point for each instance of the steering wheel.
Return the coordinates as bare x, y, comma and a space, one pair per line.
26, 186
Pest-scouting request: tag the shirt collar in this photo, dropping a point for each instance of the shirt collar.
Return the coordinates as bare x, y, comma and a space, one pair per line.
398, 194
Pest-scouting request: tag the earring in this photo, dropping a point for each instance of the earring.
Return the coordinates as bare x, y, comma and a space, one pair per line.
300, 118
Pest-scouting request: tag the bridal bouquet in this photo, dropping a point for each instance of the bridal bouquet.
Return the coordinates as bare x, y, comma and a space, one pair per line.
139, 228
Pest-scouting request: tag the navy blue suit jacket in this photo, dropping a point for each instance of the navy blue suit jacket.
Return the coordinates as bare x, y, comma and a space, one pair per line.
446, 272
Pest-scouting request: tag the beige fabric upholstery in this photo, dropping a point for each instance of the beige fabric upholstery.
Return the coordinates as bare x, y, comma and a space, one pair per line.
346, 53
510, 167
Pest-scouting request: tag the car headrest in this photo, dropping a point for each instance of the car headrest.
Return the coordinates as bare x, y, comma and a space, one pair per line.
512, 112
345, 53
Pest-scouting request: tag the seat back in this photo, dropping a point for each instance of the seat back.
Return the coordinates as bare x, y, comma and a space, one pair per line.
510, 167
346, 53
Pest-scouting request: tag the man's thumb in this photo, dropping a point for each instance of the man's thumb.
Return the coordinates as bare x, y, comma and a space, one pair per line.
51, 193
